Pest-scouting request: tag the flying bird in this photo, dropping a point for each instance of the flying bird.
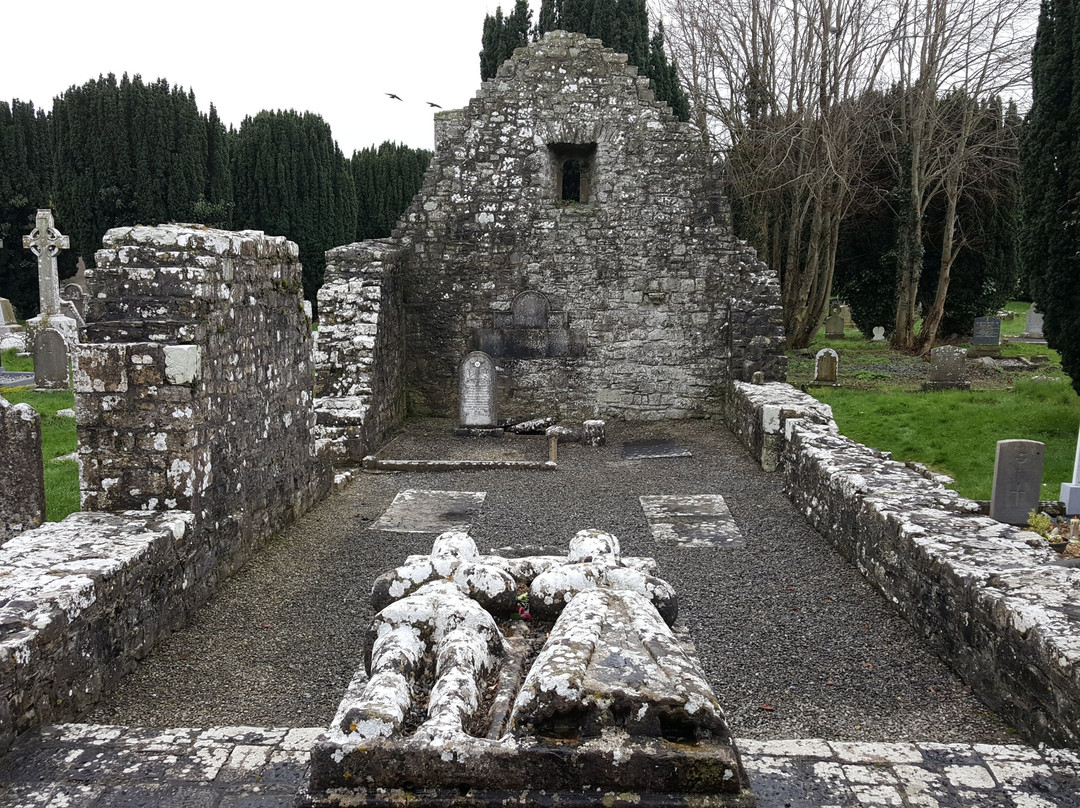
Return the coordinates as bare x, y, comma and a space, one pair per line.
433, 104
395, 97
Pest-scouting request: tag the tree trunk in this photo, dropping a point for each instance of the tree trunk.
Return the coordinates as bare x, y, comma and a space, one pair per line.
932, 320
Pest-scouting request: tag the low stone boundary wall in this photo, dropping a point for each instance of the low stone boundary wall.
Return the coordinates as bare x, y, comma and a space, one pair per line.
359, 355
994, 606
22, 474
81, 601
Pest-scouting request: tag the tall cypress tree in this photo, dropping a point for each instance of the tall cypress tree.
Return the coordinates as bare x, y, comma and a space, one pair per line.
125, 151
386, 179
1050, 179
291, 179
25, 160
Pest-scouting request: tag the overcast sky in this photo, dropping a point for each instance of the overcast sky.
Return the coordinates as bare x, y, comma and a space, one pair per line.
336, 59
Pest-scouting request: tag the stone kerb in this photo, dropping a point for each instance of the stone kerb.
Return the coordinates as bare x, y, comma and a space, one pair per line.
359, 355
193, 385
22, 476
84, 600
995, 606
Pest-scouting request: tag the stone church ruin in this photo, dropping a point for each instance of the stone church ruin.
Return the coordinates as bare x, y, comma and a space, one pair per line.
569, 228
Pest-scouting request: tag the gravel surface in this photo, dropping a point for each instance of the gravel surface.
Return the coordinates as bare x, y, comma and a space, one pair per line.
782, 623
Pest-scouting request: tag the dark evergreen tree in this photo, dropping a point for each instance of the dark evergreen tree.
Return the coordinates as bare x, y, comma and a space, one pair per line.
126, 152
386, 180
25, 163
1050, 178
621, 24
291, 179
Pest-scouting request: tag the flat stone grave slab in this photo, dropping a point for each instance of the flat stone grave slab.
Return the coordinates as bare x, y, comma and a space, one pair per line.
653, 450
696, 520
423, 511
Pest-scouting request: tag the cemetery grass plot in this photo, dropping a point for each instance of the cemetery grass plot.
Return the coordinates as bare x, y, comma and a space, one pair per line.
696, 520
425, 511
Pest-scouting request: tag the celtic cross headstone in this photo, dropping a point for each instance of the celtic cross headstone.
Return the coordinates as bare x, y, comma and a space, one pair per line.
45, 241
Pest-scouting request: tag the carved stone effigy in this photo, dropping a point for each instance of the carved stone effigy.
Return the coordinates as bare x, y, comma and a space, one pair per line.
532, 680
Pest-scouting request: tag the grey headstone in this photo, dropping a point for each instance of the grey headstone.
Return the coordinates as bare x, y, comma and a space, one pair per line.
879, 333
834, 326
845, 312
530, 310
947, 365
22, 478
825, 366
653, 450
986, 331
45, 241
7, 313
1033, 326
50, 361
696, 520
76, 296
1018, 467
477, 390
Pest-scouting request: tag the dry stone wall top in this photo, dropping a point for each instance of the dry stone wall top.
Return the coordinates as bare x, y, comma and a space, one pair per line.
568, 227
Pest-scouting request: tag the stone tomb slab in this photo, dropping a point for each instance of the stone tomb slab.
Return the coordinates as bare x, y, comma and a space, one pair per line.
653, 450
695, 520
425, 511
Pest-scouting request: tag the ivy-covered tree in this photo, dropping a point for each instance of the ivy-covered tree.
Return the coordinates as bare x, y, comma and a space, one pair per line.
25, 164
622, 25
1050, 177
291, 179
386, 180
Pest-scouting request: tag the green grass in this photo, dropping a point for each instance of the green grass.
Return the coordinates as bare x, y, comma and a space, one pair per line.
880, 402
13, 363
57, 439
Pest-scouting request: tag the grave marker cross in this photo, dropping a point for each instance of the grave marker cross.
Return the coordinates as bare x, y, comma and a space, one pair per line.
45, 241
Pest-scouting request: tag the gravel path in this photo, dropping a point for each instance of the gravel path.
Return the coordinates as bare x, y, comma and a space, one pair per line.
783, 622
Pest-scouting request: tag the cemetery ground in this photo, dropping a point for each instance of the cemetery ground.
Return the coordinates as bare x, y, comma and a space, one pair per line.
797, 646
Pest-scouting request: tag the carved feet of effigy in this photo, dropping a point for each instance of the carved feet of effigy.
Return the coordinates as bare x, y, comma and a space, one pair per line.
536, 680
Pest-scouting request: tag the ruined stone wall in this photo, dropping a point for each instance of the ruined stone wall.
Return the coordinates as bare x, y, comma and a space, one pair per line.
83, 601
22, 475
635, 302
194, 383
360, 348
995, 606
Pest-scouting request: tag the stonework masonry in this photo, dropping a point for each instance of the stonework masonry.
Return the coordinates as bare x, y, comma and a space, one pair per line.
194, 383
83, 601
194, 409
986, 595
569, 228
22, 475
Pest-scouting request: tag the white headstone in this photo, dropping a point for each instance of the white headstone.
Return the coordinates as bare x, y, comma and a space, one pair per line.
1033, 325
1070, 492
879, 333
477, 391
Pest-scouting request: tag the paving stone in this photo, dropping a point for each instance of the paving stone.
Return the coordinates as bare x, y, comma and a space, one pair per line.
422, 511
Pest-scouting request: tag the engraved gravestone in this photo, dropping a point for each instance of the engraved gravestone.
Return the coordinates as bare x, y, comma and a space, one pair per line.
825, 366
986, 331
530, 310
1033, 325
834, 326
1018, 467
73, 293
50, 361
947, 365
879, 333
477, 391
